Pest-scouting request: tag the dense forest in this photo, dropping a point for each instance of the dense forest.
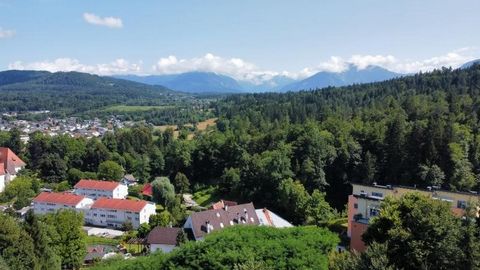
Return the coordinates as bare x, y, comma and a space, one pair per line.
87, 96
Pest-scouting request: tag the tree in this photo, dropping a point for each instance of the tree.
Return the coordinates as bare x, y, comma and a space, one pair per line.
318, 211
110, 170
164, 219
163, 191
181, 237
71, 241
418, 233
181, 183
374, 258
42, 236
16, 246
15, 142
368, 168
432, 175
294, 199
53, 168
143, 230
127, 226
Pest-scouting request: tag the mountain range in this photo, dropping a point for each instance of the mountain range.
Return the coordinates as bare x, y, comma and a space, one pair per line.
209, 82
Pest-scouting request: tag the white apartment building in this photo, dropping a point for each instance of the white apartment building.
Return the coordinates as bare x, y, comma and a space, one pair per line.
49, 202
109, 212
95, 189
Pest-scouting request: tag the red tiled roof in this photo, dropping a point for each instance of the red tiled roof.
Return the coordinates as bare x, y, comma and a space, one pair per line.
2, 169
147, 190
119, 204
222, 203
97, 184
9, 160
59, 198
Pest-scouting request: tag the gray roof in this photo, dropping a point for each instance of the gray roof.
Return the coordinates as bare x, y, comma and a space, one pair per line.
163, 235
218, 219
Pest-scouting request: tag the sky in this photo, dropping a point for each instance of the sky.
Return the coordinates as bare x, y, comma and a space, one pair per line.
246, 39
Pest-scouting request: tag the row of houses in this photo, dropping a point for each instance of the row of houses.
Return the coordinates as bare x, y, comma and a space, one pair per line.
103, 203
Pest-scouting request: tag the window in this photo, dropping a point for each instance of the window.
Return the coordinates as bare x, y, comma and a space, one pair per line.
374, 212
377, 194
461, 204
111, 216
355, 205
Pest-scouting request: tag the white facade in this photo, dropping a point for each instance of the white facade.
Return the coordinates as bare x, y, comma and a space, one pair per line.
116, 218
51, 207
164, 248
2, 183
120, 192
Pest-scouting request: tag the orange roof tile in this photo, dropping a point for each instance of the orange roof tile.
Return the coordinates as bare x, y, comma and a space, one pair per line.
10, 160
97, 184
59, 198
119, 204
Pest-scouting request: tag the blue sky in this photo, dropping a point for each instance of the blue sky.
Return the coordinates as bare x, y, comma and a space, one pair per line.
244, 39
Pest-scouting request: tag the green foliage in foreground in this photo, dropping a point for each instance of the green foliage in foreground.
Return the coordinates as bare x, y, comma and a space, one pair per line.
237, 247
417, 232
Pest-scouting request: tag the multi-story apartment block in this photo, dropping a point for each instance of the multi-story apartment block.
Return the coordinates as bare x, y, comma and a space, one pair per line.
115, 212
95, 189
49, 202
365, 201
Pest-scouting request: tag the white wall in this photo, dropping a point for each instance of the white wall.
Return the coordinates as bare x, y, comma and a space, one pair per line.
116, 218
120, 192
163, 248
44, 208
2, 183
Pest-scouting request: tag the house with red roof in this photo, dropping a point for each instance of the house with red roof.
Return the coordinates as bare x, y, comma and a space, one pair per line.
108, 212
10, 165
49, 202
95, 189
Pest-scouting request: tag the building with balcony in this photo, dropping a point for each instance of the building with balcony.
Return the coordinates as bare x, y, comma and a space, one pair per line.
50, 202
107, 212
95, 189
365, 201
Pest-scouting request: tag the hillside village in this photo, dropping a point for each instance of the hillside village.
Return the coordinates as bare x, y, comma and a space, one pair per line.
109, 212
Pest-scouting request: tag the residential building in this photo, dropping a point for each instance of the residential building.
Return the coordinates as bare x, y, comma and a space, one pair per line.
365, 201
95, 189
269, 218
49, 202
163, 238
129, 180
10, 165
202, 223
222, 203
115, 213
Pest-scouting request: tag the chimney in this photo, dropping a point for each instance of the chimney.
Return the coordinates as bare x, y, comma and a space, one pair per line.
246, 215
225, 207
207, 224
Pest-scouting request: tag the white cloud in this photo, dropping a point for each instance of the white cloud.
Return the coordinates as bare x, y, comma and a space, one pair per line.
5, 33
119, 66
110, 22
235, 67
241, 69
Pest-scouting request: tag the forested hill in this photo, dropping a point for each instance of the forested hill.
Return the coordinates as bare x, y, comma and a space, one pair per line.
72, 92
417, 130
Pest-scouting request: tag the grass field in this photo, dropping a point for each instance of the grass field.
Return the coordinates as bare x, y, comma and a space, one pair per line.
206, 197
127, 108
97, 240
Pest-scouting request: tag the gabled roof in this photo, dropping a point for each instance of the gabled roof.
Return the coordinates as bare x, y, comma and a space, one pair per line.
269, 218
119, 204
222, 203
97, 184
147, 190
217, 219
10, 160
59, 198
163, 236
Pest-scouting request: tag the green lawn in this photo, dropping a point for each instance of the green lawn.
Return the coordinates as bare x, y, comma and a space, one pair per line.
207, 196
97, 240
